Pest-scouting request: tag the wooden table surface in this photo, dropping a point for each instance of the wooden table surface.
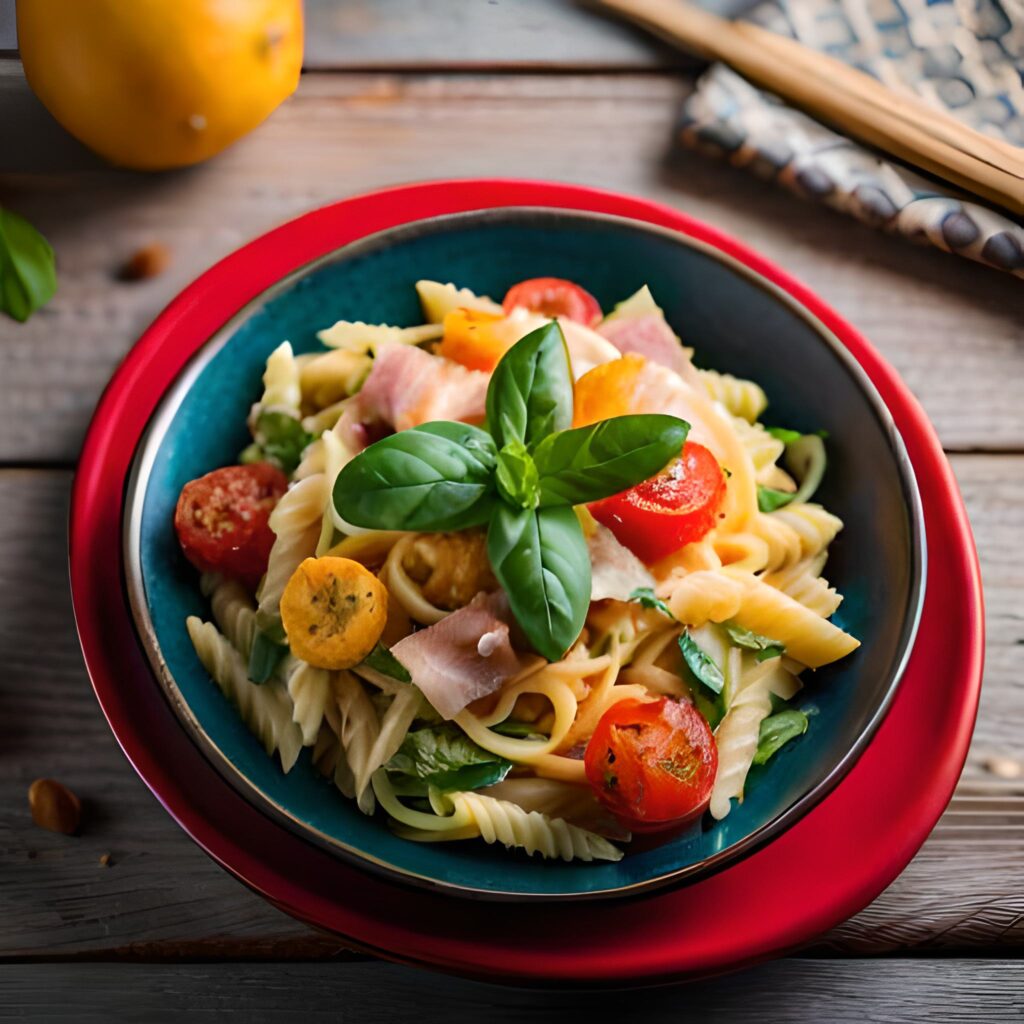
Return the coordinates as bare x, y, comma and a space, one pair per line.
393, 93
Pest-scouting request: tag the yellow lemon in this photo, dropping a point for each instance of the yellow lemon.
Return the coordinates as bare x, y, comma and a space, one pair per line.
152, 84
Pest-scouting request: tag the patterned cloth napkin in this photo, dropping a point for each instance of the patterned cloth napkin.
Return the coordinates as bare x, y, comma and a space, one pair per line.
964, 55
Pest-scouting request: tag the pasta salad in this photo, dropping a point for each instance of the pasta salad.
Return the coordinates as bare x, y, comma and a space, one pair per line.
521, 574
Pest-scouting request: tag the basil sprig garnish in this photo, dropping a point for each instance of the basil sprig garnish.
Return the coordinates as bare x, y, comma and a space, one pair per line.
521, 476
438, 476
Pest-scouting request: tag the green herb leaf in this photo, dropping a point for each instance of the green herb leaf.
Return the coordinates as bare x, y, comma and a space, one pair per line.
28, 273
438, 476
250, 453
381, 660
264, 657
765, 647
530, 394
541, 560
589, 463
472, 776
702, 666
647, 597
712, 708
516, 476
282, 439
784, 435
769, 499
443, 756
516, 729
776, 731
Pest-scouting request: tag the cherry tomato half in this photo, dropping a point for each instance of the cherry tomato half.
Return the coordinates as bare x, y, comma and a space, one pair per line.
553, 297
221, 520
652, 764
674, 508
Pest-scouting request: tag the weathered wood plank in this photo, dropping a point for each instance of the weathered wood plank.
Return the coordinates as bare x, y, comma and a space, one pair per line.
161, 898
535, 34
789, 992
390, 34
951, 327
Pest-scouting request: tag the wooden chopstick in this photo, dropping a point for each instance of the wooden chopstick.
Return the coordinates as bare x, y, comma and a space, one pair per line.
897, 122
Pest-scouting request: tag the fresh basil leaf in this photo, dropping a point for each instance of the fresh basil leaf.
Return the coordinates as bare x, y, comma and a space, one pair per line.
381, 660
776, 731
264, 657
647, 597
282, 439
408, 785
530, 394
769, 499
443, 756
541, 560
765, 647
516, 476
589, 463
700, 664
516, 729
250, 453
712, 708
471, 776
28, 273
438, 476
784, 435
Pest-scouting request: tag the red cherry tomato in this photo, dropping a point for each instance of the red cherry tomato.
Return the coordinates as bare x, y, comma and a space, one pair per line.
674, 508
652, 764
221, 520
553, 297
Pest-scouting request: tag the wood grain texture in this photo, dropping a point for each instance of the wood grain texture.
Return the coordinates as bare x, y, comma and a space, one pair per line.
510, 34
955, 330
788, 992
161, 898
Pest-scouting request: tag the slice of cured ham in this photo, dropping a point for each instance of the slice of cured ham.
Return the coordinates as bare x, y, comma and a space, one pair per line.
407, 387
465, 656
649, 336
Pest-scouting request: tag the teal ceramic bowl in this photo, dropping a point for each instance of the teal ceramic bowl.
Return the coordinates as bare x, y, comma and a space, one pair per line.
738, 322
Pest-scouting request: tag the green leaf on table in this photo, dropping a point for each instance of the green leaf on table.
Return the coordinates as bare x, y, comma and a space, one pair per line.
589, 463
764, 646
776, 731
647, 597
530, 393
28, 272
541, 559
438, 476
444, 757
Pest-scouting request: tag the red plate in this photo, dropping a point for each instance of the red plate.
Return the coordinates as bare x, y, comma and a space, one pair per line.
836, 859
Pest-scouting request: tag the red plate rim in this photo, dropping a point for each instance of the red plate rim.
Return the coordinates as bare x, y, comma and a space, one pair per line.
836, 859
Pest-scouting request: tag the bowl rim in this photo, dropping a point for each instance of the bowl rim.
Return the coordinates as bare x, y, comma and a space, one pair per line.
166, 408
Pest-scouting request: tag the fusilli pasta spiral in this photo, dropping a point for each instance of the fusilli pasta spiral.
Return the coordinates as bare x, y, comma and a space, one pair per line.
296, 521
266, 709
740, 397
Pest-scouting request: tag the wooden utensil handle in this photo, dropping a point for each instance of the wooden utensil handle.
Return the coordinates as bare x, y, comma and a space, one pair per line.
898, 122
